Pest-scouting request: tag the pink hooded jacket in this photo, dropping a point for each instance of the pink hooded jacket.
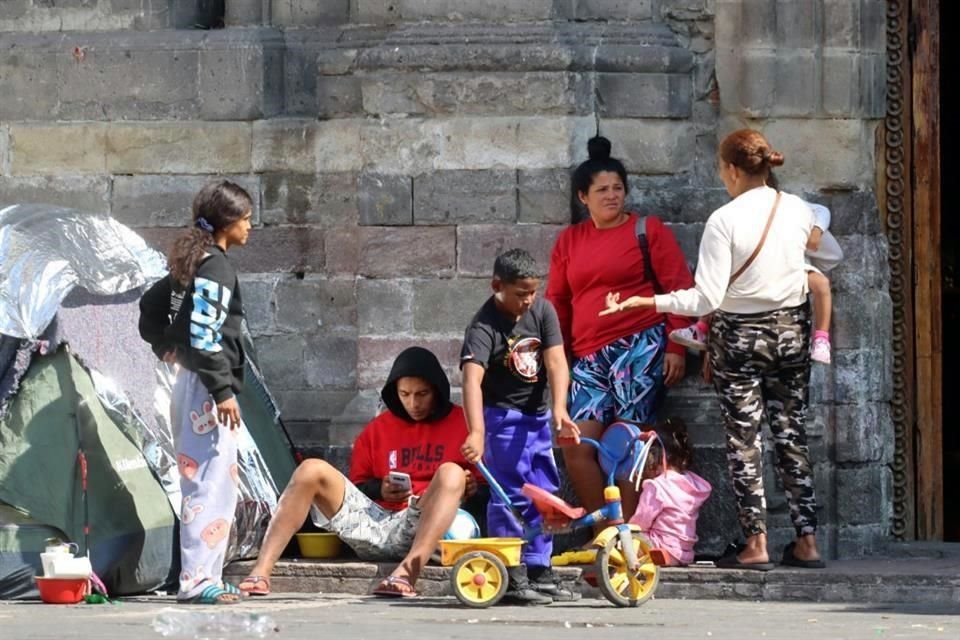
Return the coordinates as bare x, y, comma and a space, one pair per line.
668, 509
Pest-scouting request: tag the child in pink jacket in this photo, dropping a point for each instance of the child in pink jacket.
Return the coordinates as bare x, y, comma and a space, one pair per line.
671, 494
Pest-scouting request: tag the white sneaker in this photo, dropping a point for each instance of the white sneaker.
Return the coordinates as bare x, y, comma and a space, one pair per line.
691, 337
820, 351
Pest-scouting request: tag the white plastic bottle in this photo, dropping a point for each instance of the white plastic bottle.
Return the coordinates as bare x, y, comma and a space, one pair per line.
211, 625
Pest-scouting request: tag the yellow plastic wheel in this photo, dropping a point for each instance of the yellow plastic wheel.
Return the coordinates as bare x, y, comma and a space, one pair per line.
479, 579
617, 583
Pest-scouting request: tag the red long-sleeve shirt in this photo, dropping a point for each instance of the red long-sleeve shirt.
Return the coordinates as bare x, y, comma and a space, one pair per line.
587, 263
389, 443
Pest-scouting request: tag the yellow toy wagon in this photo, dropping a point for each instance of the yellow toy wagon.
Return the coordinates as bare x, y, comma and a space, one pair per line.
479, 574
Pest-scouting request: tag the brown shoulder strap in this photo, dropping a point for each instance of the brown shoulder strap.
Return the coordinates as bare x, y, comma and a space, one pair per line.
763, 238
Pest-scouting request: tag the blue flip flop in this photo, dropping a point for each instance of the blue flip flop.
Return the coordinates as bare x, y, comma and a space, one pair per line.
229, 588
212, 595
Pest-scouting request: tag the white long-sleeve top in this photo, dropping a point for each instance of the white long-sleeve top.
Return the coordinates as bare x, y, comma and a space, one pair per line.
829, 253
821, 216
777, 277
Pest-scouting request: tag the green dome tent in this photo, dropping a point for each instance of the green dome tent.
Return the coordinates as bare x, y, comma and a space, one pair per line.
54, 433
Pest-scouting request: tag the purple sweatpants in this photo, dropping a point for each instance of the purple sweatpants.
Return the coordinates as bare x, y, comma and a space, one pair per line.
519, 449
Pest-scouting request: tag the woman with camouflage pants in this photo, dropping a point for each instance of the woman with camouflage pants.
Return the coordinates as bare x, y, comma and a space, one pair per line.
751, 271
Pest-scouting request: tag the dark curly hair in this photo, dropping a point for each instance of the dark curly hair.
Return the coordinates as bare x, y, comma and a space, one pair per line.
215, 207
672, 437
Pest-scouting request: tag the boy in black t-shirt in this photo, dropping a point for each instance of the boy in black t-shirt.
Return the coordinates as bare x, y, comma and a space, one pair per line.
507, 345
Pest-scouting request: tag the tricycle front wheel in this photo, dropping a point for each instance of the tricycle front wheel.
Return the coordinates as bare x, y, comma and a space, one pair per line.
479, 579
618, 584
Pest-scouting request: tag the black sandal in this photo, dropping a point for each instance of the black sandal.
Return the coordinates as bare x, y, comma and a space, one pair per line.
791, 560
729, 560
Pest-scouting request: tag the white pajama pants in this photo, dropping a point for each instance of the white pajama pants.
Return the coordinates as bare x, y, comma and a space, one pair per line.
209, 480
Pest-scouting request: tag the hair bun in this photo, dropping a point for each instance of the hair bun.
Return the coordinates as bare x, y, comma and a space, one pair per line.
774, 158
598, 148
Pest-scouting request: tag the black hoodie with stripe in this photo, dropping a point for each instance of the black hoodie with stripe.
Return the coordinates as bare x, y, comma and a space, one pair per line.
202, 324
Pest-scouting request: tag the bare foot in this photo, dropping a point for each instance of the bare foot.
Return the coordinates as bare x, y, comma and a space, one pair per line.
405, 571
755, 551
748, 556
806, 548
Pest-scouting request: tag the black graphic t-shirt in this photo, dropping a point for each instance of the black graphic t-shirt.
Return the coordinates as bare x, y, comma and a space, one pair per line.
512, 354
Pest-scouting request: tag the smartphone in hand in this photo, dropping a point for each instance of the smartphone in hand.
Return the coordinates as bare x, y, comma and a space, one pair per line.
400, 480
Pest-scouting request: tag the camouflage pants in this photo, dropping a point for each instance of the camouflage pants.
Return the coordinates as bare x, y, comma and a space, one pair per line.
761, 365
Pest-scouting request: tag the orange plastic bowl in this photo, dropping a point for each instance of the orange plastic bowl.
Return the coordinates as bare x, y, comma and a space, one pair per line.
62, 590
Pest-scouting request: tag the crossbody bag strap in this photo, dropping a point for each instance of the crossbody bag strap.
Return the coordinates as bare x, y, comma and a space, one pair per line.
763, 238
640, 230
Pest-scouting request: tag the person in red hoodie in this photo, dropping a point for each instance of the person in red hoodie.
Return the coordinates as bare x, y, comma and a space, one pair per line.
619, 366
420, 435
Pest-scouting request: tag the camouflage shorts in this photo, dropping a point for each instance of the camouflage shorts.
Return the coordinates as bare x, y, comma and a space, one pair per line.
373, 532
761, 368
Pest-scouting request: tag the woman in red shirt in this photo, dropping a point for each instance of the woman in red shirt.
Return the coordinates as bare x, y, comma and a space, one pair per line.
621, 362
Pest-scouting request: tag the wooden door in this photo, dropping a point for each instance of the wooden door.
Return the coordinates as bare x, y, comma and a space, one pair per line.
925, 40
909, 196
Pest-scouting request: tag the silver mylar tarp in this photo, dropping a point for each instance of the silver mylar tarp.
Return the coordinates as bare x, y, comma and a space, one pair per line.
45, 253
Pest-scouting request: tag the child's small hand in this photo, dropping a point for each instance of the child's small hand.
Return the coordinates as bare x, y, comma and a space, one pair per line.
813, 241
568, 433
613, 304
472, 448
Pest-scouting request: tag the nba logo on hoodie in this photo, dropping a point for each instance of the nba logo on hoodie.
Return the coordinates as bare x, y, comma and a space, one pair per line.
392, 459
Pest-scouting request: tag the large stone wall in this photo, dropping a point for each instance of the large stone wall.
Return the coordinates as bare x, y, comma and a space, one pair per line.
394, 148
101, 15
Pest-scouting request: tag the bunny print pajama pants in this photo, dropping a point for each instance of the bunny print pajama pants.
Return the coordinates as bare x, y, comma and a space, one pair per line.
209, 479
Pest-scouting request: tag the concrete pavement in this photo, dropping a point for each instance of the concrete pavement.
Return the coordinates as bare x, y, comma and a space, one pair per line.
365, 618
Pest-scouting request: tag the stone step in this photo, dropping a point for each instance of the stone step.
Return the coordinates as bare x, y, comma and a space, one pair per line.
901, 579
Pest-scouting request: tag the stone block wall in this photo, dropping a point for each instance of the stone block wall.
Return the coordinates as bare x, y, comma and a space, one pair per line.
394, 148
101, 15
